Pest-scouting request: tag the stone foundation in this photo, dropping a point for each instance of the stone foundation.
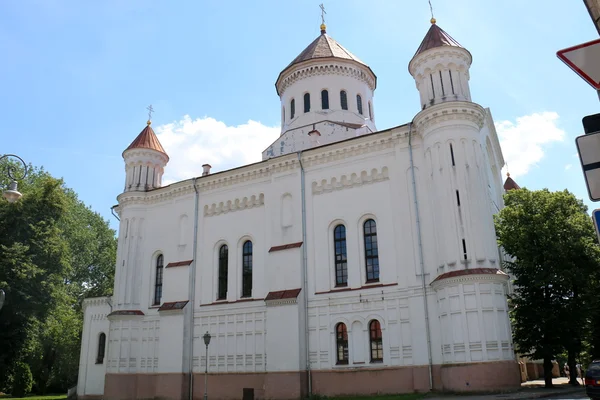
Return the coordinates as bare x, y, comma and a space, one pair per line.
474, 377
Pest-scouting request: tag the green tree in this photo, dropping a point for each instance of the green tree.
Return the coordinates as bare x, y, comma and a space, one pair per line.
552, 241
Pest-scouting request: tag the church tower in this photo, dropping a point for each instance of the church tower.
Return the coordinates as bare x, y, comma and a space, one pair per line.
145, 161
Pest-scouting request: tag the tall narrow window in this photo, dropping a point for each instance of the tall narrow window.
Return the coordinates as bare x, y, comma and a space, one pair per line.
324, 99
359, 104
247, 269
376, 341
451, 83
457, 198
341, 261
442, 83
341, 343
432, 88
371, 251
223, 261
292, 108
306, 102
452, 155
344, 100
158, 279
283, 115
464, 243
101, 348
370, 111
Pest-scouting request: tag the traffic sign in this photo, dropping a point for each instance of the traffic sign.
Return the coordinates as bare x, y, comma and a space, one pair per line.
596, 219
584, 59
591, 123
588, 147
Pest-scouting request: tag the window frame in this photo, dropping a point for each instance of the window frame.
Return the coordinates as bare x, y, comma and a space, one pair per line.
341, 344
292, 108
359, 106
158, 279
344, 100
306, 98
324, 99
223, 271
101, 348
375, 341
247, 266
371, 237
340, 259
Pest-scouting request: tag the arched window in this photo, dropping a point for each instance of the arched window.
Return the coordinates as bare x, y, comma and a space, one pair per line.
371, 251
306, 102
282, 115
158, 280
101, 348
247, 269
223, 261
341, 343
376, 341
370, 111
324, 99
292, 108
359, 104
344, 100
341, 261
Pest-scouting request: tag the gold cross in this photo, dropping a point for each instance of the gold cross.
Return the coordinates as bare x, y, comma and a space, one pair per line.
323, 12
150, 111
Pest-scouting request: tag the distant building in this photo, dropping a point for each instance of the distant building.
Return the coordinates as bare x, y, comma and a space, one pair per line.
348, 261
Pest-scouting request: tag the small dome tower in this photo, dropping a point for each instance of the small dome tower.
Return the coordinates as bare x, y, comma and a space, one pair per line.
145, 161
440, 68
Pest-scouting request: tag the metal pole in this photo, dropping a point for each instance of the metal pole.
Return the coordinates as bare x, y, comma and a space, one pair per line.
206, 376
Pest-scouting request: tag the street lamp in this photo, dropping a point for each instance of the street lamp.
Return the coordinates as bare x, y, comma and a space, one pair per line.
206, 338
12, 194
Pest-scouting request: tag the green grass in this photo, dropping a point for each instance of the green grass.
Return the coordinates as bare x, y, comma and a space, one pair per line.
409, 396
36, 397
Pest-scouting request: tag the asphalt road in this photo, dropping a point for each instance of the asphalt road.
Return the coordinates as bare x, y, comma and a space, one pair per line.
569, 397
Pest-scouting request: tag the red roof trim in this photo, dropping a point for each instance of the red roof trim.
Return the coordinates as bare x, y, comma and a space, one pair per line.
471, 271
359, 288
215, 303
179, 264
125, 312
283, 294
173, 305
285, 247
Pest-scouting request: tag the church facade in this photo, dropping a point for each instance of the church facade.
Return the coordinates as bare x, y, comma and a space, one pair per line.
348, 261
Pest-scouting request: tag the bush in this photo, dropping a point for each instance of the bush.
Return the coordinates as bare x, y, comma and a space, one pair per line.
22, 380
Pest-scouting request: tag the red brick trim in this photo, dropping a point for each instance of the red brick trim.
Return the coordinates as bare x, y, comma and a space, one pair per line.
347, 289
285, 247
173, 305
283, 294
179, 264
470, 271
215, 303
125, 312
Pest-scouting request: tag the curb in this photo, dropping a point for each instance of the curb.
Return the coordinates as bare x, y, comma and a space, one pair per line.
546, 395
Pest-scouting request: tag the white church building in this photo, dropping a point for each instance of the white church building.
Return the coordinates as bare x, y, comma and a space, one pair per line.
350, 260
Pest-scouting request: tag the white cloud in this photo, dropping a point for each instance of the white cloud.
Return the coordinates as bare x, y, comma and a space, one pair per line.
568, 167
523, 143
191, 143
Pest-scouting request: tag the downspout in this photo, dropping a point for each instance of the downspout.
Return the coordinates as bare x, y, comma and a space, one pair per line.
112, 210
421, 258
305, 272
192, 295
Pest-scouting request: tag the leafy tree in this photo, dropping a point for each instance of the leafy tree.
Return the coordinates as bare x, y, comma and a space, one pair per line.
22, 379
552, 241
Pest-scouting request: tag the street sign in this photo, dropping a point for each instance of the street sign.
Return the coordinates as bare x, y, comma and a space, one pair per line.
584, 59
588, 147
596, 219
591, 123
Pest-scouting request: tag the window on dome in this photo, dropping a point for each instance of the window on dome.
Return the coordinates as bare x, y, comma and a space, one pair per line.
292, 108
341, 342
283, 115
324, 99
371, 251
247, 269
158, 279
370, 111
359, 104
344, 100
376, 341
306, 102
341, 260
223, 261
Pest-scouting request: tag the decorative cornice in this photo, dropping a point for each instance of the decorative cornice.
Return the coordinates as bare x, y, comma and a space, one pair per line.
281, 297
234, 205
438, 53
467, 276
125, 314
354, 180
96, 301
326, 67
451, 110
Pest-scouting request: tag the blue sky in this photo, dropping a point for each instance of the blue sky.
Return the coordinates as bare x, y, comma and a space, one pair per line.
76, 78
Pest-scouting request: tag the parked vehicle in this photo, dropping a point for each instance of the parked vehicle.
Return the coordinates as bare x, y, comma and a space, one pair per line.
592, 380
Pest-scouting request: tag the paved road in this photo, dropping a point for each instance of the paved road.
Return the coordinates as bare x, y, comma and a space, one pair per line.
569, 397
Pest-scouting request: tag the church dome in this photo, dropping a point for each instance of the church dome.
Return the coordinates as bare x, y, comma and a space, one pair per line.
147, 140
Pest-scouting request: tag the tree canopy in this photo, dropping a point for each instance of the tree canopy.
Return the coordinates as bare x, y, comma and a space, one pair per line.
55, 251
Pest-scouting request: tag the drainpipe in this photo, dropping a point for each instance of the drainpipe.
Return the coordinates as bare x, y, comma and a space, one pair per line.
305, 272
112, 210
421, 259
192, 295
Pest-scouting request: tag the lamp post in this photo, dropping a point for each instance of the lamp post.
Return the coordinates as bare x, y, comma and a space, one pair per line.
12, 194
206, 338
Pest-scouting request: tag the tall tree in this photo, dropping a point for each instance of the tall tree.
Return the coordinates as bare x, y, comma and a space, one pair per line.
553, 245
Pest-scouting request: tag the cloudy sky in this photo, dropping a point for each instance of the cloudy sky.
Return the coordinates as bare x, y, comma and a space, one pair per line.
77, 78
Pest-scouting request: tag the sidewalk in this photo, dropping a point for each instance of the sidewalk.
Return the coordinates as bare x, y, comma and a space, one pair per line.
528, 390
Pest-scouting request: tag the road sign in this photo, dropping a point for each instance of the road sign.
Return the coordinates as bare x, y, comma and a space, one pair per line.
591, 123
596, 219
588, 147
584, 59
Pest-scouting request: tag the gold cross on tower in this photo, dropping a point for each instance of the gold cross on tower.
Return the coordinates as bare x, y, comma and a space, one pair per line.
323, 12
150, 111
